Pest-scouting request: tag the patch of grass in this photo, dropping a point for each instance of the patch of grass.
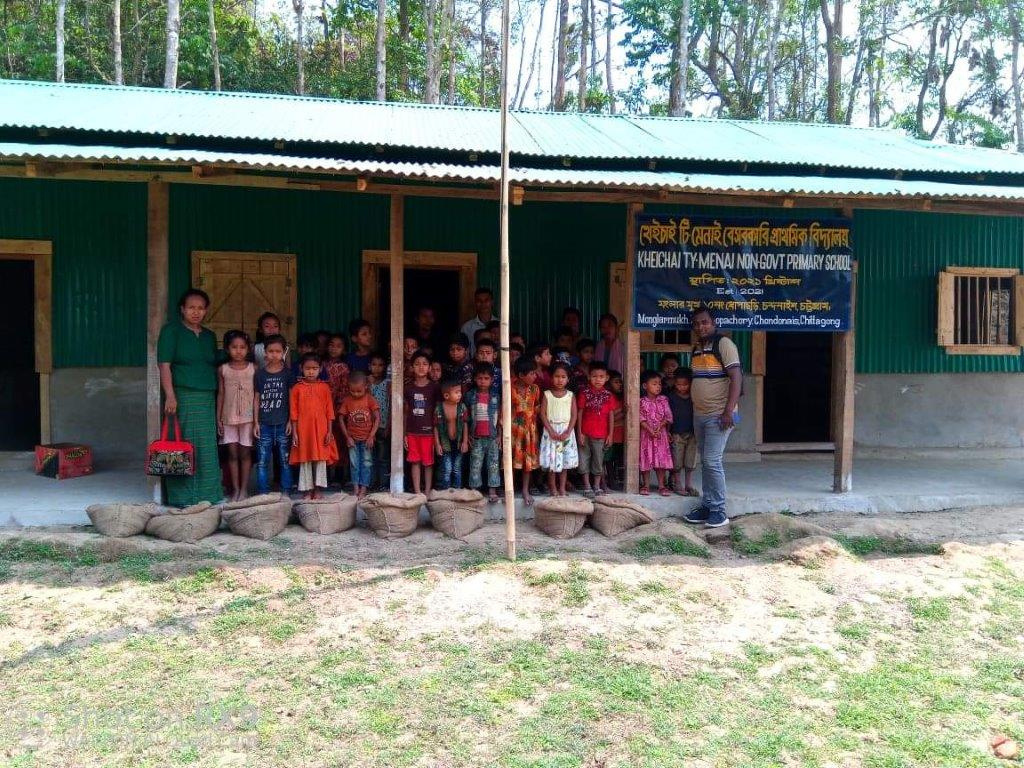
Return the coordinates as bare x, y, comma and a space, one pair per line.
873, 545
136, 566
654, 588
930, 609
573, 581
649, 546
419, 573
196, 583
770, 539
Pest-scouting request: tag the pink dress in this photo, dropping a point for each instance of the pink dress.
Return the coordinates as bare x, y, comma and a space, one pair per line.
654, 451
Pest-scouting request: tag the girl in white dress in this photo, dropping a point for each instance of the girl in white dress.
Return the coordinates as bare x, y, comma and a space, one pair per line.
558, 451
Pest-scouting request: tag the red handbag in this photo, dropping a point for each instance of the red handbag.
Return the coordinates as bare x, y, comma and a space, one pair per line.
171, 458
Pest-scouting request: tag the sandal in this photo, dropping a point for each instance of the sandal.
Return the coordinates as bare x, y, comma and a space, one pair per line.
645, 492
665, 492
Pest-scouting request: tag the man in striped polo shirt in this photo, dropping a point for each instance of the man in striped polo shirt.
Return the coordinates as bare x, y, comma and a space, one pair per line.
716, 388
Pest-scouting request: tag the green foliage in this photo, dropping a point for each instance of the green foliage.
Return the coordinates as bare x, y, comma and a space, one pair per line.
649, 546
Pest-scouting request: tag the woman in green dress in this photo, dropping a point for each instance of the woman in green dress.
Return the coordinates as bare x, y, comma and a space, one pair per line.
187, 357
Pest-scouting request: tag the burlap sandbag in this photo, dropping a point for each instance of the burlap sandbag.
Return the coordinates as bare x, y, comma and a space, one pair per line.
616, 514
393, 515
328, 514
262, 517
457, 512
562, 517
187, 528
190, 510
121, 520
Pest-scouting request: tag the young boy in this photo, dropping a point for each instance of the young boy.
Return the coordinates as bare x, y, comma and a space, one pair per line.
359, 420
459, 366
684, 444
306, 345
409, 348
451, 434
486, 352
542, 357
380, 389
667, 365
420, 405
596, 405
361, 333
479, 335
515, 351
436, 372
273, 430
484, 406
564, 339
581, 371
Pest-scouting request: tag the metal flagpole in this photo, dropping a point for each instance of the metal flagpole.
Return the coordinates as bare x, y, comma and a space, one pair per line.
506, 366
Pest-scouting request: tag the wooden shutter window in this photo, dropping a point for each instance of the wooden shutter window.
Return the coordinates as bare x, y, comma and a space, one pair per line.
980, 311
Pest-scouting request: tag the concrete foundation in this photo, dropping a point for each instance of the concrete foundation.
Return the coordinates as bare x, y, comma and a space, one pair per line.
939, 411
102, 407
796, 486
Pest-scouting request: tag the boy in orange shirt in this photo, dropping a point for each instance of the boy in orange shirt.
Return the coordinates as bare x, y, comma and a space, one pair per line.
358, 420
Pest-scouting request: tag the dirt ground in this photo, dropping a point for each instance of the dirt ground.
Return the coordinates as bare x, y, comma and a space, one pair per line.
810, 628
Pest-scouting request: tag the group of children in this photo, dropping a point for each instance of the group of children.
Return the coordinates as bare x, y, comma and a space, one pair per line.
567, 413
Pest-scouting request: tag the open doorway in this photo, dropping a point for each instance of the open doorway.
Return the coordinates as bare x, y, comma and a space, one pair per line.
797, 388
19, 381
435, 288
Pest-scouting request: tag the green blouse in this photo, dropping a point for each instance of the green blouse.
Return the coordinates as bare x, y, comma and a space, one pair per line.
193, 356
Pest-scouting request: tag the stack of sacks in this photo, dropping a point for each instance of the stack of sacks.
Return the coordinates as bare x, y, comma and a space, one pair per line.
457, 512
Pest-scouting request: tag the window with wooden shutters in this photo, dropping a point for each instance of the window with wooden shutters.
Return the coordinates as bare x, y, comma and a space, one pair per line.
981, 311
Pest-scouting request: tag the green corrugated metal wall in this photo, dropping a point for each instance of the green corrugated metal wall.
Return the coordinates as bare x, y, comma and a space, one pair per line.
559, 253
99, 264
900, 255
327, 232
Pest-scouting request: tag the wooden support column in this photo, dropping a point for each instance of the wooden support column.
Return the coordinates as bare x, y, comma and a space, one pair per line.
397, 277
157, 223
632, 371
843, 369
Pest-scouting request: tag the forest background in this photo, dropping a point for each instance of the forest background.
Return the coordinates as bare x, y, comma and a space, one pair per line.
948, 70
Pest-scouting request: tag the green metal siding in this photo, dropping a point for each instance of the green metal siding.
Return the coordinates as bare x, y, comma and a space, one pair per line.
98, 231
326, 231
900, 255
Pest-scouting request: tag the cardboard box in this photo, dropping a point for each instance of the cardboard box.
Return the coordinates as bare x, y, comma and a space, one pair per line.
63, 460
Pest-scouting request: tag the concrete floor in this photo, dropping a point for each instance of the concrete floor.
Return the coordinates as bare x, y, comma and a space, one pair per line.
797, 485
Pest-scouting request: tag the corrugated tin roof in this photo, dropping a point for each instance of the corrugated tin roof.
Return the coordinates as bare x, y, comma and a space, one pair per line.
567, 177
237, 116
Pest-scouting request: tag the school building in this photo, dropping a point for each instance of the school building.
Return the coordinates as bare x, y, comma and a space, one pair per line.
114, 200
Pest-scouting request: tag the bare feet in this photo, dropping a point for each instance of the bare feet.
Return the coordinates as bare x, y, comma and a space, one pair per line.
492, 496
527, 499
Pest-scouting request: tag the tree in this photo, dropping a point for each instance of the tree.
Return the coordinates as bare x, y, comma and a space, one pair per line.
172, 43
608, 58
115, 36
62, 7
381, 49
300, 45
581, 89
680, 61
562, 31
214, 50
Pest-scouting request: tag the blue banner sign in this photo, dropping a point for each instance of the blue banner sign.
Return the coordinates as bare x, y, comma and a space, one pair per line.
759, 274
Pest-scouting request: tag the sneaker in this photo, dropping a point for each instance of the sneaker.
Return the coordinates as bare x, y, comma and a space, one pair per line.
697, 515
716, 520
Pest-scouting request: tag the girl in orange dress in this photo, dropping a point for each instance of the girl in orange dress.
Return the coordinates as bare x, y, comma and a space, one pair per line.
312, 415
525, 409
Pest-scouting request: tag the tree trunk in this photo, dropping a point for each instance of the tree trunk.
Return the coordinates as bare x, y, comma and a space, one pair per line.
608, 58
62, 7
926, 78
432, 87
680, 62
115, 17
300, 45
382, 53
592, 75
560, 59
1015, 72
775, 10
515, 93
214, 50
452, 52
834, 54
171, 59
581, 88
533, 57
484, 8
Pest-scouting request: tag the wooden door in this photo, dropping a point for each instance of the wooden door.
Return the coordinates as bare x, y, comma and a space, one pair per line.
242, 286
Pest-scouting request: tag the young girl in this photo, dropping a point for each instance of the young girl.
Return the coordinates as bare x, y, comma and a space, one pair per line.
312, 413
235, 398
337, 370
558, 451
268, 325
380, 388
525, 399
614, 455
655, 418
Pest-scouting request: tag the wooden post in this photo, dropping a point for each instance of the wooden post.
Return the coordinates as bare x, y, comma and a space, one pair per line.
397, 276
632, 371
843, 369
157, 222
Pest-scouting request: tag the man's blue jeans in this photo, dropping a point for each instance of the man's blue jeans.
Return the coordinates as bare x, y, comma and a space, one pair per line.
711, 440
273, 438
360, 458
